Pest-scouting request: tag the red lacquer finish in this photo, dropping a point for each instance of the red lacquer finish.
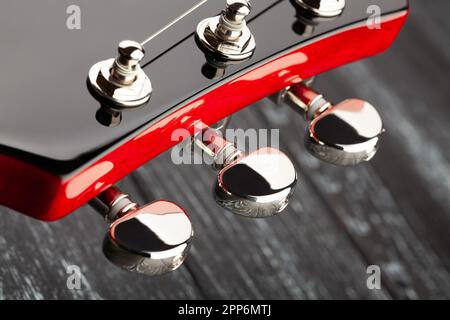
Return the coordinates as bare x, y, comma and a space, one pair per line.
34, 192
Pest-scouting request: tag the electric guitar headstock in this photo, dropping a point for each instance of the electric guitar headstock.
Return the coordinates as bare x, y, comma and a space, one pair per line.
82, 108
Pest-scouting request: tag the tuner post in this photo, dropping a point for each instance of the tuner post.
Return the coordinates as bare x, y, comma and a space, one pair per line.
126, 66
120, 81
232, 20
345, 134
255, 185
227, 35
153, 239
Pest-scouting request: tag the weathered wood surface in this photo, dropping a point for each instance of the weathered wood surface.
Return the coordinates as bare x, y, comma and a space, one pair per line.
393, 212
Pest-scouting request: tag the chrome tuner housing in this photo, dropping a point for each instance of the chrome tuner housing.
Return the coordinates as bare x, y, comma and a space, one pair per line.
227, 35
257, 185
345, 134
153, 240
121, 82
323, 8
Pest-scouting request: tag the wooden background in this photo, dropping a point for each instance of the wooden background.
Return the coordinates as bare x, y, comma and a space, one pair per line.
393, 212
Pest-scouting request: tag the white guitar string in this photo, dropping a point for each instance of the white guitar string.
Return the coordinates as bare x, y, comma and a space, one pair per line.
157, 33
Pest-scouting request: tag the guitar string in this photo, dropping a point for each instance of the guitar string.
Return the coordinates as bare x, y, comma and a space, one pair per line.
157, 33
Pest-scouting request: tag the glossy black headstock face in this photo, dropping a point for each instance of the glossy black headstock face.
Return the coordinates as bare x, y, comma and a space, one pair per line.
49, 118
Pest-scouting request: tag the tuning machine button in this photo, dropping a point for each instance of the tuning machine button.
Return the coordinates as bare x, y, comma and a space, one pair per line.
344, 134
120, 81
153, 239
323, 8
256, 185
227, 35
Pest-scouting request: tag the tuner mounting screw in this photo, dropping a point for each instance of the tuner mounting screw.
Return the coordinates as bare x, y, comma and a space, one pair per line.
227, 35
345, 134
255, 185
120, 81
153, 239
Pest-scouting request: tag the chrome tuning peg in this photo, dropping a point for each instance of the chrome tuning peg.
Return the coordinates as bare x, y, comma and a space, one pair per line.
256, 185
120, 81
344, 134
227, 34
153, 239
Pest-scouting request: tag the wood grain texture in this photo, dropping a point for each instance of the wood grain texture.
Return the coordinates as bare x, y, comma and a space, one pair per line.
393, 212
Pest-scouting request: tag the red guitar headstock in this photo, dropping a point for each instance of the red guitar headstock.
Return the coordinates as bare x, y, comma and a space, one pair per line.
93, 115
